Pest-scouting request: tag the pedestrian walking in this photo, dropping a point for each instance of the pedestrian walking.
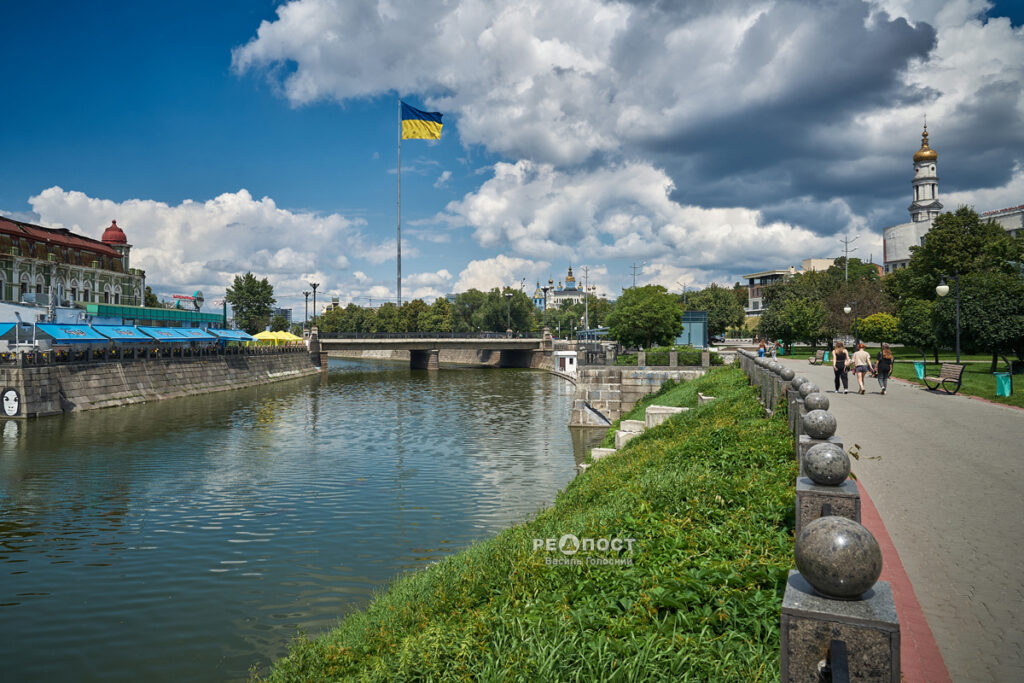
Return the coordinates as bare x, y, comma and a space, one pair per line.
861, 364
883, 367
839, 361
761, 349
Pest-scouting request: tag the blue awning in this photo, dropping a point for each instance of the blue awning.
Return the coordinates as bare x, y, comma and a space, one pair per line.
72, 334
195, 334
5, 328
122, 333
231, 335
165, 334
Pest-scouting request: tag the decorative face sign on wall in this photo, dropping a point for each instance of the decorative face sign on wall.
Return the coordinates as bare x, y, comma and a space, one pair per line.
11, 402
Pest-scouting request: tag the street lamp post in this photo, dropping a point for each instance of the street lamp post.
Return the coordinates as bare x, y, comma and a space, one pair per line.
305, 317
314, 285
546, 290
942, 290
508, 299
856, 332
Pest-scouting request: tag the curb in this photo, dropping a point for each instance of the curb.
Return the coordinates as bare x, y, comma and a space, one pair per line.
920, 658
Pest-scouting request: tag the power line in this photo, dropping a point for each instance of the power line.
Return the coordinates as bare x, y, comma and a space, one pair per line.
636, 268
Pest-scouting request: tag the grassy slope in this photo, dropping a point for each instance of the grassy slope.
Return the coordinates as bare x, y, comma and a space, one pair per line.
709, 498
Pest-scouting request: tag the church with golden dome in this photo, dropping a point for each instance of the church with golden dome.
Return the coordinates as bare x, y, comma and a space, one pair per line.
556, 295
897, 239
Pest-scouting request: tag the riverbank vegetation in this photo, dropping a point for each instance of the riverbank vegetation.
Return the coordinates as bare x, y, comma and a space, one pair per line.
708, 498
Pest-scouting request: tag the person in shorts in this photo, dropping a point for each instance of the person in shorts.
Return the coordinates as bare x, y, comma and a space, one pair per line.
861, 364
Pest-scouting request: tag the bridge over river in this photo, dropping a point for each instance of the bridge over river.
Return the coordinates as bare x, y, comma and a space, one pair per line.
424, 348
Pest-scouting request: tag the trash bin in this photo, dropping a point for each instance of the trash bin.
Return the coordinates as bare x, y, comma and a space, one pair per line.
825, 358
1003, 383
919, 368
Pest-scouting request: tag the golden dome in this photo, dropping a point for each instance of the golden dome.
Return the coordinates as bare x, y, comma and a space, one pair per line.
926, 153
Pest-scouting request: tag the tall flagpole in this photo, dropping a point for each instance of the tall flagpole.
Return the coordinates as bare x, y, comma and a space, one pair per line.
399, 201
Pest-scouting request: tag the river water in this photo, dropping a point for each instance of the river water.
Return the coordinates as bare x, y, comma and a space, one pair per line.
189, 539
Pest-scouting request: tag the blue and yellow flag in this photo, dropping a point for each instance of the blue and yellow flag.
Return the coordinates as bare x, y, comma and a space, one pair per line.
420, 125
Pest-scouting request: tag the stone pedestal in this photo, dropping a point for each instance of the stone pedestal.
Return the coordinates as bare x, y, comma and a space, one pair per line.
655, 415
621, 438
705, 359
804, 442
598, 453
869, 627
844, 499
632, 425
673, 359
641, 358
702, 399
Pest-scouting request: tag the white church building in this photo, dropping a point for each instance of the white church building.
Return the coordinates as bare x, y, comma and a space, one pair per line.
897, 239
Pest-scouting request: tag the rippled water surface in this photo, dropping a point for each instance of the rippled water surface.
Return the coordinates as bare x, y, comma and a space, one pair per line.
188, 539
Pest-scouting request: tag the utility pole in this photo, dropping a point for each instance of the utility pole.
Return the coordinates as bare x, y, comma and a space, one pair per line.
586, 297
636, 268
846, 255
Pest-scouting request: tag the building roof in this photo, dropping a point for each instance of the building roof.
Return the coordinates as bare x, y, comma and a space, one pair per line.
1006, 210
58, 236
926, 153
114, 235
764, 273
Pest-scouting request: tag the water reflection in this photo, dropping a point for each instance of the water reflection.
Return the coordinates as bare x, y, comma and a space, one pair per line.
188, 539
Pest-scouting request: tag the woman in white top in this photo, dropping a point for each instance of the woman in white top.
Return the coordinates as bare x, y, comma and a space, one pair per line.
861, 364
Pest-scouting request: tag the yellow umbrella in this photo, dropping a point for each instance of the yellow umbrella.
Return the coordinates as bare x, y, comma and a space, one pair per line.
266, 337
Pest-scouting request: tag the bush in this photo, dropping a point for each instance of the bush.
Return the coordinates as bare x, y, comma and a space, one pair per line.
658, 355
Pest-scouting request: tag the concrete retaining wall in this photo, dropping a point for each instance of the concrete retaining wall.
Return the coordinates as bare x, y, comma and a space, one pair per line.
609, 392
54, 389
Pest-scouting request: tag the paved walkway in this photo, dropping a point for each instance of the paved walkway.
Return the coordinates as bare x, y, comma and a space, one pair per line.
947, 476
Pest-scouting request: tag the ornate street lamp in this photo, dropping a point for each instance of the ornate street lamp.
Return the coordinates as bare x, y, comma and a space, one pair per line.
856, 332
508, 299
314, 285
942, 289
546, 290
305, 317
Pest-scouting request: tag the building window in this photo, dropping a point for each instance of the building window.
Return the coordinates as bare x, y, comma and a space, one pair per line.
106, 297
117, 298
39, 289
74, 293
757, 305
85, 295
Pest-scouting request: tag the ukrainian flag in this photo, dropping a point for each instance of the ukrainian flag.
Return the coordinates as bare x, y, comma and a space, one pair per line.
420, 125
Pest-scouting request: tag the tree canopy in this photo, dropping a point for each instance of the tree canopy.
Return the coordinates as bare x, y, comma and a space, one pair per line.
723, 308
251, 300
645, 316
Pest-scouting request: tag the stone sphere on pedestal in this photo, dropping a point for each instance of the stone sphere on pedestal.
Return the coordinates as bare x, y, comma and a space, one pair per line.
774, 366
826, 464
797, 381
817, 401
819, 424
838, 557
808, 387
787, 374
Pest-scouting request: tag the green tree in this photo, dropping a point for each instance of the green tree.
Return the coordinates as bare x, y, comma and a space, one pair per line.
723, 309
915, 327
388, 319
467, 310
412, 313
278, 323
991, 314
440, 317
296, 329
879, 327
794, 319
645, 316
251, 300
150, 299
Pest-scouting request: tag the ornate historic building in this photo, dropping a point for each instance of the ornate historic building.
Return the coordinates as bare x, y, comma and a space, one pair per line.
556, 295
47, 266
897, 239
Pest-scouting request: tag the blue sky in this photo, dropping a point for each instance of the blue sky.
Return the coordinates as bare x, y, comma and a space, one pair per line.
702, 142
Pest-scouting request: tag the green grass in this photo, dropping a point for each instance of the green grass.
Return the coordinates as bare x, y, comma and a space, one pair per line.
708, 497
977, 380
658, 356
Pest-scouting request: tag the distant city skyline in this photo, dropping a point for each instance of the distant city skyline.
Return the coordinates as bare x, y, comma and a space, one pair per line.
696, 143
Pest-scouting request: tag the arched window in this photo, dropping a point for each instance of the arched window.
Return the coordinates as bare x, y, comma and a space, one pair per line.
117, 295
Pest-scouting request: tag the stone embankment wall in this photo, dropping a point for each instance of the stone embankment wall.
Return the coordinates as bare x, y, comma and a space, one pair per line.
603, 394
62, 388
475, 358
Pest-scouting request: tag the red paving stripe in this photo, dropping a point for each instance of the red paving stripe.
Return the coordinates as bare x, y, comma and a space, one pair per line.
920, 659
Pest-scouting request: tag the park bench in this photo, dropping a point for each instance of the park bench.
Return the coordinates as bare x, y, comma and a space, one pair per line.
951, 373
817, 358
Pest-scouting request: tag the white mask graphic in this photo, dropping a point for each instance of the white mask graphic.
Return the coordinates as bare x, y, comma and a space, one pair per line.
11, 402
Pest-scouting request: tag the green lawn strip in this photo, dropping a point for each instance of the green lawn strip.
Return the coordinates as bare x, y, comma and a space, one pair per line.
977, 381
708, 498
658, 356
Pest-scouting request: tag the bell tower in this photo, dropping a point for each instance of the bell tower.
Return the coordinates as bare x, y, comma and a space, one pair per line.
926, 183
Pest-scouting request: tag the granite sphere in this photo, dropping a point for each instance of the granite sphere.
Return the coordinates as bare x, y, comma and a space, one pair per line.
817, 401
809, 387
787, 374
774, 366
797, 381
838, 557
819, 424
826, 464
